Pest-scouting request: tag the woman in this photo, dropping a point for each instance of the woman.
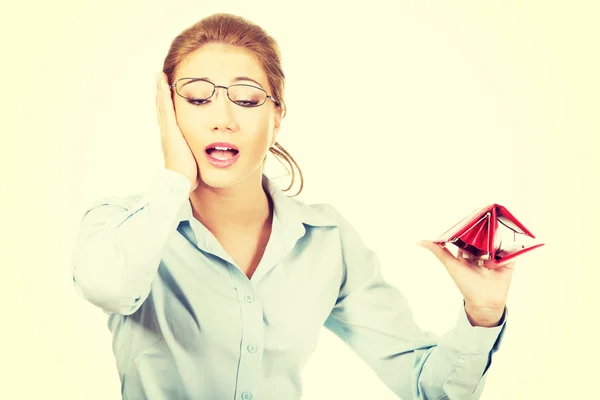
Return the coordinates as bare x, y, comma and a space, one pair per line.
217, 283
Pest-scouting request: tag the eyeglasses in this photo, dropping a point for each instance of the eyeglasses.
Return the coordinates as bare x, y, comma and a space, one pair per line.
197, 91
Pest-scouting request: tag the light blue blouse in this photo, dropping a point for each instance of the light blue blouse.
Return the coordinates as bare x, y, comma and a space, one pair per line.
187, 323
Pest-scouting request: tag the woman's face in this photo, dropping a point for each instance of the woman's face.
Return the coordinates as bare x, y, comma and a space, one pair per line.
218, 120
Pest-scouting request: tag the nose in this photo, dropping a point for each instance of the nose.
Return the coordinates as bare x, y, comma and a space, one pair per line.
222, 111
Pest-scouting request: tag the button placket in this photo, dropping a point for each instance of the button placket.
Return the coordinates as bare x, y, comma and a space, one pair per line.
251, 314
252, 348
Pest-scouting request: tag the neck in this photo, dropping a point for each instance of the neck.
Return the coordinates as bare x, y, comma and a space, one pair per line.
243, 206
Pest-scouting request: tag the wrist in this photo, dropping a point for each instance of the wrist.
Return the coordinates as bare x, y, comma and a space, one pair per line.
486, 317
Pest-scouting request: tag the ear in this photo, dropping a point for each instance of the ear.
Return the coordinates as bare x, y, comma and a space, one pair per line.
276, 125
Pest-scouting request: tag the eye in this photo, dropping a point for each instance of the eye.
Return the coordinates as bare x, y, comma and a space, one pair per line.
246, 103
197, 102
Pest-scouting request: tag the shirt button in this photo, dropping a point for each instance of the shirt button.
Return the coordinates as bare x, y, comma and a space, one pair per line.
252, 348
246, 396
249, 297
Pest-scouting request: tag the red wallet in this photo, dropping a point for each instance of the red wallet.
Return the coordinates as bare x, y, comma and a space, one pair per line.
483, 235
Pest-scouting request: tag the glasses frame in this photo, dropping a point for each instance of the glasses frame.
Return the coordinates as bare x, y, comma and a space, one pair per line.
215, 87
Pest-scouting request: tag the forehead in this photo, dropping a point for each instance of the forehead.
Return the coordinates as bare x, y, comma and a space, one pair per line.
221, 63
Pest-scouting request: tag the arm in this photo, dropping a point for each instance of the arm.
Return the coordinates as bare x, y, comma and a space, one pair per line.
374, 318
117, 251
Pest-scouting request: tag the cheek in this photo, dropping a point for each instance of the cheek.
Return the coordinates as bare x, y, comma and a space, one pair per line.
187, 120
262, 133
255, 129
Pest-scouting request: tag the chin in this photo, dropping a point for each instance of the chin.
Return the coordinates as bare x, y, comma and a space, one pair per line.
225, 178
218, 180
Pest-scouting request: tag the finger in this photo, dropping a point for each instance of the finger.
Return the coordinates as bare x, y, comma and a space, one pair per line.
491, 264
159, 91
158, 101
163, 103
158, 79
442, 253
158, 82
464, 257
168, 108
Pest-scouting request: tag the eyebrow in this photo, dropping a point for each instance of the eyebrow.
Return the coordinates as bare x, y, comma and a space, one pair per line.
237, 79
245, 78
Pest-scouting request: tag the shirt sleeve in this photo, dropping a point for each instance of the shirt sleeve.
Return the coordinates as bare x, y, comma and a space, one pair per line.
118, 248
375, 320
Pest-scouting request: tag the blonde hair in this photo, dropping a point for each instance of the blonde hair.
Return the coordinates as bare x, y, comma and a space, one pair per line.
234, 30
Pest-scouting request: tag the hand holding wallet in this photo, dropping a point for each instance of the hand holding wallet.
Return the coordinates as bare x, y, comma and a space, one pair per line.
486, 234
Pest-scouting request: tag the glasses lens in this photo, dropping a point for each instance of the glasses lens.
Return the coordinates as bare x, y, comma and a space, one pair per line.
247, 96
194, 89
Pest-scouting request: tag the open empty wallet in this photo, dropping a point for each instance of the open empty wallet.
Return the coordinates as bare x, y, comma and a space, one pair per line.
490, 233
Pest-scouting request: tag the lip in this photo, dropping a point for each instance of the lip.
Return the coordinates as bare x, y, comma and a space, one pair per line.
222, 163
222, 144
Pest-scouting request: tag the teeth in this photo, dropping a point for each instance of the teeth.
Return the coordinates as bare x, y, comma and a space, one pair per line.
223, 148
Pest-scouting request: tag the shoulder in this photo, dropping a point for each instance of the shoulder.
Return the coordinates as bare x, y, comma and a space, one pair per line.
104, 207
317, 214
326, 210
165, 187
327, 214
126, 202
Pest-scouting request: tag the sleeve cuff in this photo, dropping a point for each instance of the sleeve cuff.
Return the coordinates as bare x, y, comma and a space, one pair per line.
168, 192
476, 339
179, 186
166, 186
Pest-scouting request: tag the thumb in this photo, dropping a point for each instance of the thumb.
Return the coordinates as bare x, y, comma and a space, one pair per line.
441, 253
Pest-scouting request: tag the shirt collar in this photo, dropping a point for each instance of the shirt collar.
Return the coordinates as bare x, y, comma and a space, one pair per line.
290, 218
291, 212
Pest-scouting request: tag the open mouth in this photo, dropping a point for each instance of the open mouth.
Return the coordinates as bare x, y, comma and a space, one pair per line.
221, 153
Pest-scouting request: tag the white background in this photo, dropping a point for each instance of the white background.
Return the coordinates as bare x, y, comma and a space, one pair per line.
405, 117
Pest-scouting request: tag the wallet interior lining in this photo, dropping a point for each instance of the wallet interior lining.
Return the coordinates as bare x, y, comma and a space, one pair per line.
510, 225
